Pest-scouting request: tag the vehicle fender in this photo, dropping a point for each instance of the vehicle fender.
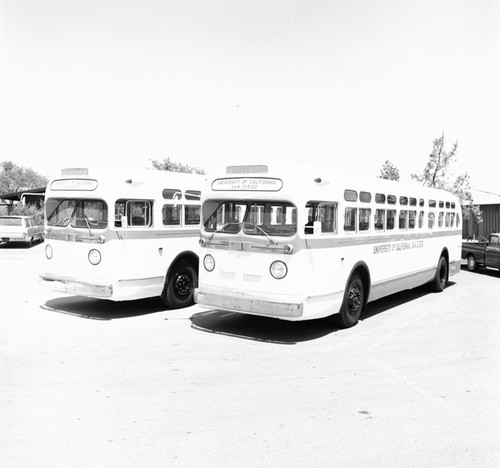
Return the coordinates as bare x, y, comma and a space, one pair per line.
186, 255
362, 268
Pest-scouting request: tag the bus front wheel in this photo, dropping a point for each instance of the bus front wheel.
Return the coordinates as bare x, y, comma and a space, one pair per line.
179, 287
353, 303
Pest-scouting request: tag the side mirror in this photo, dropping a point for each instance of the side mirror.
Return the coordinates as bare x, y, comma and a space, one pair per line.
124, 221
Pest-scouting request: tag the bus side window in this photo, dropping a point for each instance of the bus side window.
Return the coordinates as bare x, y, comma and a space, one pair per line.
350, 219
391, 219
364, 219
431, 219
412, 219
119, 212
403, 219
379, 220
138, 213
323, 212
310, 213
192, 195
172, 215
192, 215
440, 218
328, 217
420, 219
134, 213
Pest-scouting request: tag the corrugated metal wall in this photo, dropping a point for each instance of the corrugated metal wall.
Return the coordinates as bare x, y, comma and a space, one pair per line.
491, 223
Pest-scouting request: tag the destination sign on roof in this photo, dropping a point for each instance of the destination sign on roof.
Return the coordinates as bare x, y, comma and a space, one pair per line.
250, 184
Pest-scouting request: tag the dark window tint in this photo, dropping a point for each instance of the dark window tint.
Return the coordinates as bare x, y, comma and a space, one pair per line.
170, 194
192, 194
365, 197
350, 195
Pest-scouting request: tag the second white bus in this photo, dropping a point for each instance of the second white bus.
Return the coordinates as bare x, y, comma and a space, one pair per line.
122, 234
306, 244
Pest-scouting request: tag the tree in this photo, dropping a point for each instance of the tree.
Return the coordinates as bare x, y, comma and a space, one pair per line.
169, 165
436, 172
437, 175
389, 171
14, 178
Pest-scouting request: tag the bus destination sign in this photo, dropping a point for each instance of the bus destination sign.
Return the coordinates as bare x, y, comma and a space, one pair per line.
248, 184
74, 184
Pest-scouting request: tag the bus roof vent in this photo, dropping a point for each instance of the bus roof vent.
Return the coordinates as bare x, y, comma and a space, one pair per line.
248, 169
75, 171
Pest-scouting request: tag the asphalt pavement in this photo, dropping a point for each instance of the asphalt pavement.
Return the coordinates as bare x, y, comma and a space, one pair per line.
94, 383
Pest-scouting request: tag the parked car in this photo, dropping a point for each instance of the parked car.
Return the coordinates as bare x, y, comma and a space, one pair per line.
482, 253
20, 229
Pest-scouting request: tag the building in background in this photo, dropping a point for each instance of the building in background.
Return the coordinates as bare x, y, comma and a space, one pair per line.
26, 197
489, 204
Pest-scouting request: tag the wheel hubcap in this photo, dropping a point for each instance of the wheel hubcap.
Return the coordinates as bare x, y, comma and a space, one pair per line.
354, 300
183, 284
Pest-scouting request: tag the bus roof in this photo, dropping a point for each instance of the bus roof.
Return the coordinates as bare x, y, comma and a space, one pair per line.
301, 181
122, 179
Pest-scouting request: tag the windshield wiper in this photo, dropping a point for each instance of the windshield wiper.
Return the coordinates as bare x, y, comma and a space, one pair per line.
218, 231
87, 220
263, 232
59, 224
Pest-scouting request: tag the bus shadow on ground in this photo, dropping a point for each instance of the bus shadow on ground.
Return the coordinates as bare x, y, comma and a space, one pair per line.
100, 309
270, 330
252, 327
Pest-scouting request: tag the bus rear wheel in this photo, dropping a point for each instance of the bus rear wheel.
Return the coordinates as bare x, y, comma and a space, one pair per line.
441, 278
179, 287
354, 300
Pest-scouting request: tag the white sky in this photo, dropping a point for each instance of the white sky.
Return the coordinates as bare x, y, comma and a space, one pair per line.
343, 83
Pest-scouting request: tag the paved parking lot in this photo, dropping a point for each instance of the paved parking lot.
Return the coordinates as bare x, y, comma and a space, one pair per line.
93, 383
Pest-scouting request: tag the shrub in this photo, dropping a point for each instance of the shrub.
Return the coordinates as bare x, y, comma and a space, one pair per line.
29, 210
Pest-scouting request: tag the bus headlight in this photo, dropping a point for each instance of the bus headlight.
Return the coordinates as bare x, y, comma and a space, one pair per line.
278, 269
94, 257
209, 262
48, 251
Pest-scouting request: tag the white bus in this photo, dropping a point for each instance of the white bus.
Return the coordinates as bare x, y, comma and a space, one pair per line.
123, 234
305, 244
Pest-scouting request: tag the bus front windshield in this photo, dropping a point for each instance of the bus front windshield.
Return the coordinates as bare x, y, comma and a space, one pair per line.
77, 213
260, 218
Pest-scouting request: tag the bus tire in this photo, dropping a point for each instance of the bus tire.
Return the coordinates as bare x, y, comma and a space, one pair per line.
441, 278
354, 299
179, 287
471, 263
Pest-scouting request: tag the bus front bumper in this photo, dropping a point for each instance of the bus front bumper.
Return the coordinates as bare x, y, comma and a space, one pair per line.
69, 285
239, 302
